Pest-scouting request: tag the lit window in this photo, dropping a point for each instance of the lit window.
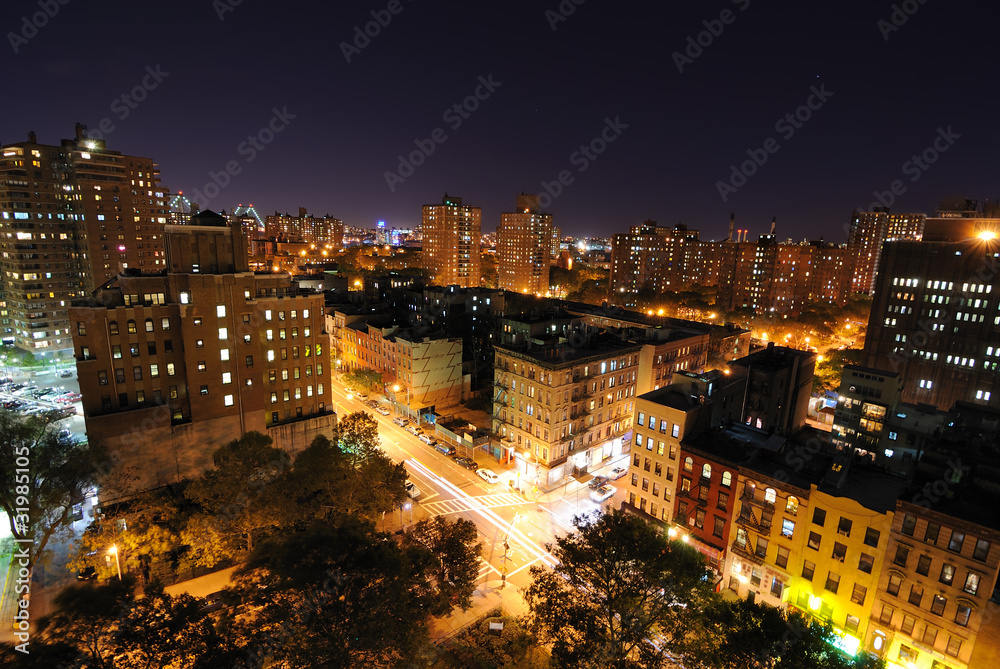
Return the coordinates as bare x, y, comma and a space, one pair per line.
220, 311
185, 297
228, 400
224, 354
227, 378
223, 333
270, 355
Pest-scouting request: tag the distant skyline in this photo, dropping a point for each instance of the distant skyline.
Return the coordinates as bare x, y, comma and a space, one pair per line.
643, 111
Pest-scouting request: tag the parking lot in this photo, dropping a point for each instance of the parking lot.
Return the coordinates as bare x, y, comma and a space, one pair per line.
47, 394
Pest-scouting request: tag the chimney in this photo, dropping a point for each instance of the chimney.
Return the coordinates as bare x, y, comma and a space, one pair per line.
81, 131
774, 221
732, 222
31, 137
302, 212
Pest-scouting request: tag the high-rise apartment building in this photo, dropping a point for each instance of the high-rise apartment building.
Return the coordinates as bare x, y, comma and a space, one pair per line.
71, 217
868, 231
310, 229
172, 365
451, 233
935, 316
648, 261
524, 246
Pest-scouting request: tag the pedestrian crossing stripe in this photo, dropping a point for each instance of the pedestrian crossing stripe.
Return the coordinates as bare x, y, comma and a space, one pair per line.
459, 505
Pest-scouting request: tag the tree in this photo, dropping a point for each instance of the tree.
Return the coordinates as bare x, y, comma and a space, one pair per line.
618, 584
348, 475
454, 553
363, 379
746, 635
332, 596
237, 493
42, 476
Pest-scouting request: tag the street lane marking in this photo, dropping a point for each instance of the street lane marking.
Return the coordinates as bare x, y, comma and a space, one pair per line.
460, 504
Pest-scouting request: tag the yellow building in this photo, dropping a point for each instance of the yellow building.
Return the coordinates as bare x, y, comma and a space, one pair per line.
844, 530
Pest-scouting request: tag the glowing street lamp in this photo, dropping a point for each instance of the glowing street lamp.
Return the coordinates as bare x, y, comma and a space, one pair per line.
114, 551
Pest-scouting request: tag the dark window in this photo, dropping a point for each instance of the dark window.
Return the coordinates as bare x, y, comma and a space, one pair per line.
937, 605
916, 594
113, 327
106, 402
720, 526
865, 563
931, 534
204, 390
832, 581
168, 346
982, 550
249, 361
962, 615
808, 569
723, 501
844, 526
102, 377
123, 400
859, 594
120, 375
902, 553
819, 516
886, 616
956, 542
909, 522
894, 584
872, 536
137, 373
151, 347
839, 551
924, 565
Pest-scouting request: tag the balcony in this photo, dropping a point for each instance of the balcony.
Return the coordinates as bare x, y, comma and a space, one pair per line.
763, 525
749, 496
743, 550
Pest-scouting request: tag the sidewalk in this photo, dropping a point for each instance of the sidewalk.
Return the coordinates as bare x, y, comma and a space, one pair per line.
486, 597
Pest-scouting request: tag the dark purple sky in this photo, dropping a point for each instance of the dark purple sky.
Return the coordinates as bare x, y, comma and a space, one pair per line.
557, 87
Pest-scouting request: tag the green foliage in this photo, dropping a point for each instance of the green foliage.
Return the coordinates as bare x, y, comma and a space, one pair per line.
617, 583
828, 372
332, 596
44, 473
364, 379
105, 627
347, 475
583, 283
237, 494
452, 548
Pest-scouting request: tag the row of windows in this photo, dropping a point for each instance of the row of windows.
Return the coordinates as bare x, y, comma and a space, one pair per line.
956, 540
296, 392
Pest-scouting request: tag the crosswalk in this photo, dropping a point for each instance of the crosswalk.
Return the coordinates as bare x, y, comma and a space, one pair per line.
458, 505
486, 571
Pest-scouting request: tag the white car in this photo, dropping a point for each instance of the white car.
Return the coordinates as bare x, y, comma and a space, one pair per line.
603, 494
412, 490
383, 411
617, 473
488, 475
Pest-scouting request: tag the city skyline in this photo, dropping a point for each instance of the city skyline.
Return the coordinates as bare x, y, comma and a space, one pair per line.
667, 117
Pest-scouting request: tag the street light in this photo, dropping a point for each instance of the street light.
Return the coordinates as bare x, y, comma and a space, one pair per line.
506, 549
395, 389
114, 551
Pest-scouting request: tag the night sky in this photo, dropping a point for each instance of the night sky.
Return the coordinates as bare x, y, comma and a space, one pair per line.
886, 92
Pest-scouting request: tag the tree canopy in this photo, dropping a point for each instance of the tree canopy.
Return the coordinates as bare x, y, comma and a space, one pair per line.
621, 595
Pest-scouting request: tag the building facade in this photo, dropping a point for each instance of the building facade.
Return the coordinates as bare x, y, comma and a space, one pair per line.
451, 233
935, 317
524, 246
565, 405
171, 366
71, 217
310, 229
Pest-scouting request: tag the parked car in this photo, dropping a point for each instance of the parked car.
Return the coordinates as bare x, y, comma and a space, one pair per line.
414, 430
400, 422
468, 463
427, 439
597, 482
66, 374
603, 494
445, 449
86, 574
383, 411
412, 490
488, 475
618, 472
